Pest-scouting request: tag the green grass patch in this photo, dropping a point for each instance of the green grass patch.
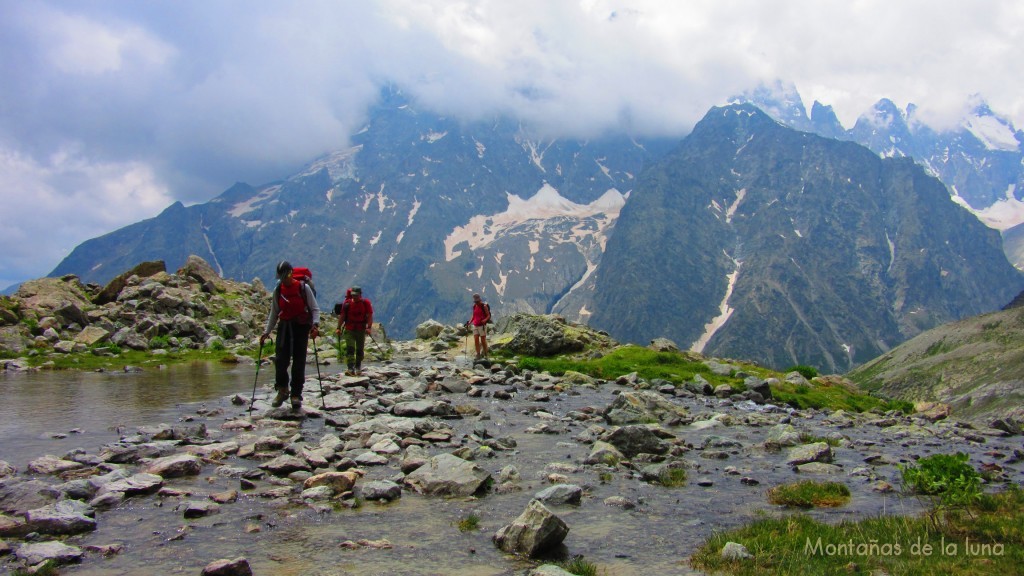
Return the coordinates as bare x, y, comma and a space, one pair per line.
649, 364
91, 362
834, 397
672, 477
810, 494
989, 540
579, 566
469, 523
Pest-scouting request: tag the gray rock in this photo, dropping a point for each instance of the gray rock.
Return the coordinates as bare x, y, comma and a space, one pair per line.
134, 485
175, 466
816, 452
200, 508
783, 435
7, 470
604, 453
636, 439
535, 530
429, 329
561, 494
236, 567
18, 496
636, 406
734, 551
50, 464
448, 475
663, 345
56, 552
285, 464
382, 490
64, 517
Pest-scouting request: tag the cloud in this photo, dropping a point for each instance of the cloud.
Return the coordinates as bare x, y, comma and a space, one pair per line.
188, 97
68, 197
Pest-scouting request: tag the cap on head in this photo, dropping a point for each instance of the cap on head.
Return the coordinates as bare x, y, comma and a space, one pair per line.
283, 268
357, 291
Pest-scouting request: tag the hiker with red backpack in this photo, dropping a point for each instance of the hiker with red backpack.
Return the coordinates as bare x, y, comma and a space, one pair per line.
294, 311
481, 318
355, 321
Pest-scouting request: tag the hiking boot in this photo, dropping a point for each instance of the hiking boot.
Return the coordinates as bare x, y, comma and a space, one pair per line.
296, 402
350, 372
282, 395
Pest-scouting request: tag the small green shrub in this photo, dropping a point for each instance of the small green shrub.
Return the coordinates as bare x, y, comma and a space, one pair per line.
469, 523
578, 566
805, 371
945, 481
810, 494
672, 477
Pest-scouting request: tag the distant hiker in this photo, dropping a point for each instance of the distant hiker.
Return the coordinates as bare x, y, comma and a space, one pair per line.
481, 317
294, 311
355, 322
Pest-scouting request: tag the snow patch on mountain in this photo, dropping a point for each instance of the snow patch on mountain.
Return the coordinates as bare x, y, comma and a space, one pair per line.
340, 165
546, 204
1002, 215
238, 210
992, 132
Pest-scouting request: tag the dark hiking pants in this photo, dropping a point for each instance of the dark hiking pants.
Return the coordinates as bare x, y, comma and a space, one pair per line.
292, 338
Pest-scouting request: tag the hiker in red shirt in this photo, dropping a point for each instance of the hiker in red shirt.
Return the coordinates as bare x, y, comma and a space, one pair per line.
357, 318
481, 316
294, 311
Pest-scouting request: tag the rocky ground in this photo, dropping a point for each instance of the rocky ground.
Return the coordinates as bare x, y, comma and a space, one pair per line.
375, 475
382, 467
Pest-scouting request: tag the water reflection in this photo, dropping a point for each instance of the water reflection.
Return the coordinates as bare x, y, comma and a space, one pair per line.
88, 407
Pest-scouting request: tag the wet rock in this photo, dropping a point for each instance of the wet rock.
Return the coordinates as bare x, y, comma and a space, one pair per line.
338, 482
1009, 425
236, 567
13, 527
783, 435
604, 453
50, 465
620, 502
636, 439
200, 508
819, 468
134, 485
448, 475
226, 497
285, 464
560, 494
175, 466
382, 490
414, 457
535, 530
636, 406
54, 552
18, 496
548, 570
7, 470
64, 517
816, 452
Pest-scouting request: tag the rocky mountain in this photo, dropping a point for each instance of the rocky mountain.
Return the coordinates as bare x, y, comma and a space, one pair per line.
748, 239
753, 240
981, 160
422, 211
975, 365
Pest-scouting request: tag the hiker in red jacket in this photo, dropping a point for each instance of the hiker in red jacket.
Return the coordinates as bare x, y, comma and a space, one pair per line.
357, 318
294, 311
481, 316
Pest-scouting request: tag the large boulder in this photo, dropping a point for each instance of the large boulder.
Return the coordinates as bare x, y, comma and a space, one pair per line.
448, 475
113, 288
64, 298
429, 330
636, 439
547, 335
200, 270
535, 530
64, 517
636, 406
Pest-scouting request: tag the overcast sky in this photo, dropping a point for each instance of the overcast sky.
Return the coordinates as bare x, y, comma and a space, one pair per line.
112, 110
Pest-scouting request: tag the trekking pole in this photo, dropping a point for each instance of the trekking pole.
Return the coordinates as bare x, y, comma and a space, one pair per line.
383, 355
259, 360
319, 379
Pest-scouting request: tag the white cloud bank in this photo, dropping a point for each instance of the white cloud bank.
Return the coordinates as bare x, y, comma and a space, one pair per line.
112, 110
